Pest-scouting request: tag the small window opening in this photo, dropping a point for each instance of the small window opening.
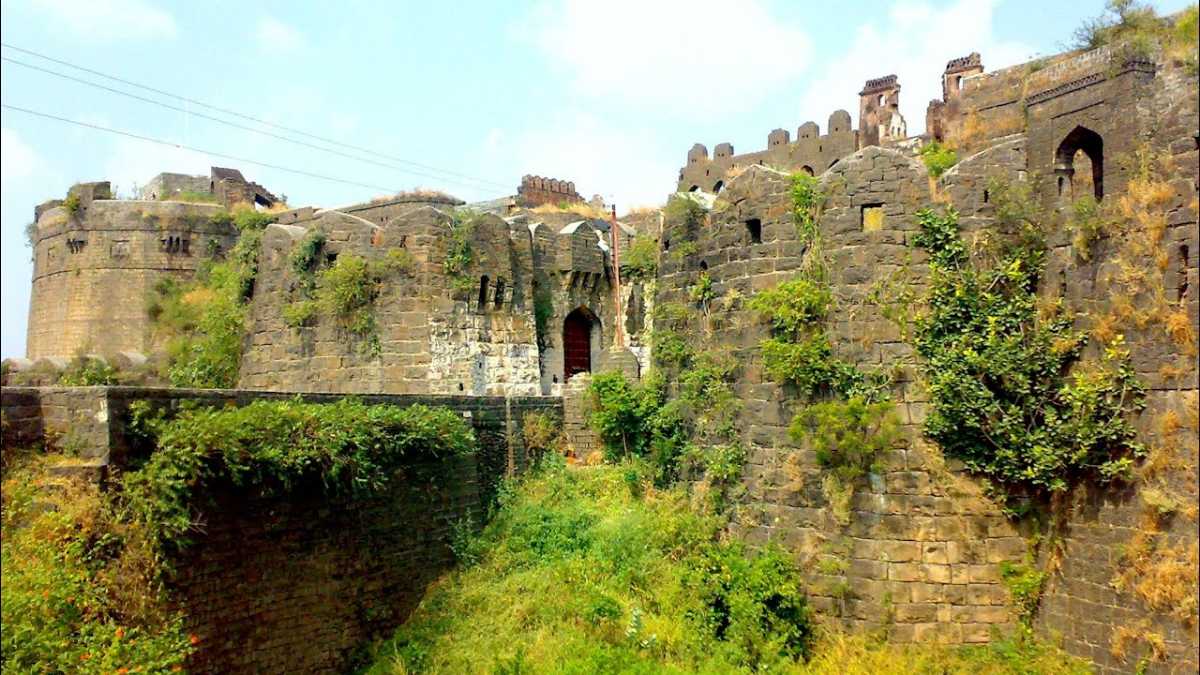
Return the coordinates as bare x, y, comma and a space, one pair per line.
871, 217
499, 299
718, 186
986, 196
460, 386
703, 265
1183, 271
404, 241
754, 229
330, 258
483, 291
666, 244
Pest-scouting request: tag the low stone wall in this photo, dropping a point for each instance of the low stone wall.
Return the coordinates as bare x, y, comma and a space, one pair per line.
296, 583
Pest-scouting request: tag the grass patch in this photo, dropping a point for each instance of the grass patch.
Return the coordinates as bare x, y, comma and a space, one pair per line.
591, 570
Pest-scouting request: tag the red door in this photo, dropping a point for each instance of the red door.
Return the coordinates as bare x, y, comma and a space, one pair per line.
577, 344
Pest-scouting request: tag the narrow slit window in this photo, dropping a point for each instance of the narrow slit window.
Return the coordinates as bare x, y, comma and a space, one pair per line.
499, 299
483, 291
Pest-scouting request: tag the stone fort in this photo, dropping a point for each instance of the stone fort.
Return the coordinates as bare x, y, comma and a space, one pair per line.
543, 305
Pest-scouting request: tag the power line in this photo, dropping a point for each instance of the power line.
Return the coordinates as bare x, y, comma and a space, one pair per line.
181, 146
235, 125
250, 117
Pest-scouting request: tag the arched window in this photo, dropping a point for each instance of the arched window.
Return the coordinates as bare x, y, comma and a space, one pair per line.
718, 186
1080, 143
499, 300
807, 170
483, 292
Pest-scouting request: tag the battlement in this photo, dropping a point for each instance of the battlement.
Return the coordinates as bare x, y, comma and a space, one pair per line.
968, 62
536, 190
880, 84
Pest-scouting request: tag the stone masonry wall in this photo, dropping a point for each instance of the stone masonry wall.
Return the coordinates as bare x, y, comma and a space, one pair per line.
94, 268
298, 583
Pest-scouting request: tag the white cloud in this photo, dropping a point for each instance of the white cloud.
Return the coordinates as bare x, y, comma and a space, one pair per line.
110, 20
132, 163
582, 148
276, 37
18, 161
914, 41
702, 57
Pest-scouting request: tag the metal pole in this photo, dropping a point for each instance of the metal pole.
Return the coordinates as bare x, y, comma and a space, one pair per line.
619, 333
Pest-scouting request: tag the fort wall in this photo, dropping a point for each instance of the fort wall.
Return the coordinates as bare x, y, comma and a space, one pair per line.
297, 583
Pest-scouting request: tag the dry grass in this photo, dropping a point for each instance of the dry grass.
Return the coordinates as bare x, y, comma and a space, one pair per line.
1124, 637
415, 193
578, 208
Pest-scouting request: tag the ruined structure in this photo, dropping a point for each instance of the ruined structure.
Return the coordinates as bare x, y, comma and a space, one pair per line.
536, 191
537, 304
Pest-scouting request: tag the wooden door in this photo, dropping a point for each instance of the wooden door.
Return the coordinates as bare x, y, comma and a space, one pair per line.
577, 344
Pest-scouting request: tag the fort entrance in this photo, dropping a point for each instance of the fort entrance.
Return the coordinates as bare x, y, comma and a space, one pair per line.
577, 342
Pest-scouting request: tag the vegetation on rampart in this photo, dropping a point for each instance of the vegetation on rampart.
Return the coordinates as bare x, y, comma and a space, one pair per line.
1004, 397
203, 321
345, 447
652, 586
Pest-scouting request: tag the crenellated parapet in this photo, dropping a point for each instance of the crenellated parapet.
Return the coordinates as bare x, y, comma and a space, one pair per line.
536, 191
810, 151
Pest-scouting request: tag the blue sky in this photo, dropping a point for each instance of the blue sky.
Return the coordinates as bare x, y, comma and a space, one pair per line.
607, 94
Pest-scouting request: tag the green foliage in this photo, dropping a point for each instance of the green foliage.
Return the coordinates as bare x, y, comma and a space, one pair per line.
458, 248
799, 351
793, 307
848, 438
653, 588
72, 204
1025, 583
1087, 224
203, 321
306, 255
542, 432
31, 233
1001, 397
753, 603
300, 313
938, 158
88, 372
684, 250
543, 310
278, 447
702, 292
1014, 203
686, 210
78, 592
623, 412
1132, 26
640, 261
806, 204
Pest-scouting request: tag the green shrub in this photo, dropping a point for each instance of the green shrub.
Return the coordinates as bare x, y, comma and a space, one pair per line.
793, 307
653, 588
1025, 583
1002, 399
88, 372
458, 248
278, 447
685, 210
622, 412
542, 432
79, 590
306, 255
72, 204
806, 204
191, 196
703, 292
300, 314
938, 158
1014, 203
640, 261
1087, 225
848, 437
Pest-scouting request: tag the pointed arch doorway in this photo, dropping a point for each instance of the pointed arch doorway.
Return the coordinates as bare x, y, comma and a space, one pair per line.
580, 331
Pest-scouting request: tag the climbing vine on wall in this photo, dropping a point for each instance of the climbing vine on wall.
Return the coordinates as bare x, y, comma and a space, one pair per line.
1007, 395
